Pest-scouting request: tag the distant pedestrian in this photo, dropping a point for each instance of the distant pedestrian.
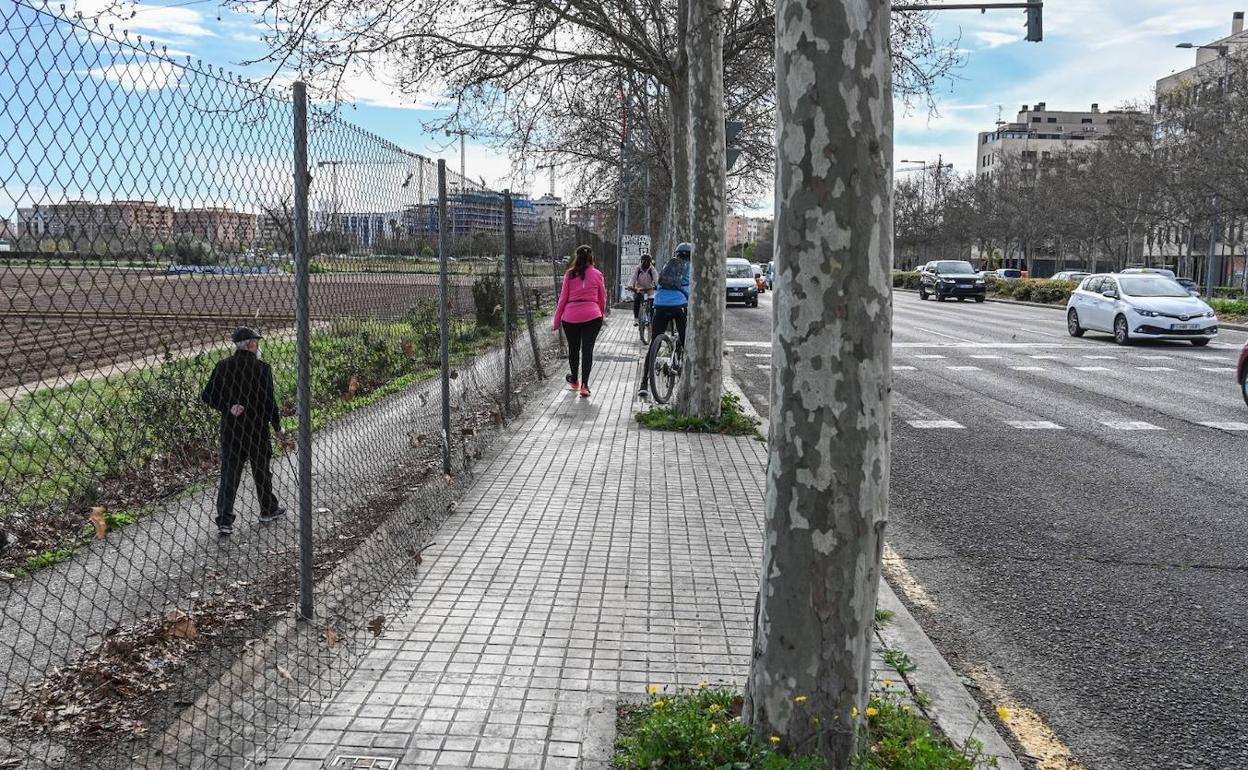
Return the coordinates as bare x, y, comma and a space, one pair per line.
645, 281
241, 389
581, 311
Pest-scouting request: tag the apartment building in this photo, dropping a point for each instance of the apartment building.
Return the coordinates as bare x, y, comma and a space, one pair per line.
1039, 133
597, 218
82, 223
222, 227
740, 229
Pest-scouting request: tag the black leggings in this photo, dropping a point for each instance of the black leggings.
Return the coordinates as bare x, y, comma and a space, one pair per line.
581, 339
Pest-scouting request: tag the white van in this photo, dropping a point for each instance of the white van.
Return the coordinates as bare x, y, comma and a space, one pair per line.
741, 285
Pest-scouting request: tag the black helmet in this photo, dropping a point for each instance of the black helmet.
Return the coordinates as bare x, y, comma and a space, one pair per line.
685, 248
243, 333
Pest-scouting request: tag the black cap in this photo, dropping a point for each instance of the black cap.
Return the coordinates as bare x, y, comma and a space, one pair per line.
243, 333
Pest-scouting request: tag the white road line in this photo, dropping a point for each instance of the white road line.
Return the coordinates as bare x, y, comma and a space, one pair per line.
928, 356
763, 366
964, 368
1217, 368
758, 355
746, 344
1226, 425
1130, 425
1157, 358
936, 424
904, 368
1154, 369
1028, 368
1033, 425
1101, 358
981, 345
1091, 368
985, 358
941, 334
1046, 358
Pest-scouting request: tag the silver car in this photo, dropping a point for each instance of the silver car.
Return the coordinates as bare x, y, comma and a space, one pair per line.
1139, 306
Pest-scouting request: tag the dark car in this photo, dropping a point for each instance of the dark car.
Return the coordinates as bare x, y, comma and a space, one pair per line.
1190, 285
946, 278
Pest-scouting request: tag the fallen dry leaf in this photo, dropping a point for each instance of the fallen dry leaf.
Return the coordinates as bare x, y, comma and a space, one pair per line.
331, 637
179, 625
96, 518
377, 625
285, 674
353, 387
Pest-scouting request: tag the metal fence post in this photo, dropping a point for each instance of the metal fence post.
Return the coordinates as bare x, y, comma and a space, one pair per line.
444, 318
554, 269
508, 248
528, 317
303, 346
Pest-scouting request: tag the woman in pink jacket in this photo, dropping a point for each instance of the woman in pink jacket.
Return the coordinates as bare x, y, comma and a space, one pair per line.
582, 306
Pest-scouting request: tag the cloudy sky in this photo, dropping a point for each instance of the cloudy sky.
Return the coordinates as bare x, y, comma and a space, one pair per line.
1104, 51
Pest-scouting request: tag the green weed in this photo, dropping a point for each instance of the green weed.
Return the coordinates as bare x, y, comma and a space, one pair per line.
733, 420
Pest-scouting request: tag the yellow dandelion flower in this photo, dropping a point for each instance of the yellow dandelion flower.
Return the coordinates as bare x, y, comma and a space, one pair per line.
652, 690
905, 707
714, 727
888, 682
774, 739
854, 712
701, 685
872, 711
1003, 713
713, 708
800, 699
658, 704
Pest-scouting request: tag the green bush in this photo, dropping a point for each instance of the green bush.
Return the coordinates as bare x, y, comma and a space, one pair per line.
1022, 290
905, 279
1229, 308
487, 298
1227, 292
733, 420
1033, 290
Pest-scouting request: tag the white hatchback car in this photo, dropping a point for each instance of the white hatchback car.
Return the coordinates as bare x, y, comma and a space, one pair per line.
1139, 306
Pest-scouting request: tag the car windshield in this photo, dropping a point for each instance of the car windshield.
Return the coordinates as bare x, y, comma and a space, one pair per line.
1150, 286
955, 268
740, 271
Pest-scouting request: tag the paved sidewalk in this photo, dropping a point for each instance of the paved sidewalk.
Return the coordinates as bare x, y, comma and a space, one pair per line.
590, 559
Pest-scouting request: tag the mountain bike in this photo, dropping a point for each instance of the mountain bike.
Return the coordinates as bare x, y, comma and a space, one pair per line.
664, 360
645, 320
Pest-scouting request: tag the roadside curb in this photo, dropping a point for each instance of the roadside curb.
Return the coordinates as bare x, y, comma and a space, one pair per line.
952, 708
1051, 306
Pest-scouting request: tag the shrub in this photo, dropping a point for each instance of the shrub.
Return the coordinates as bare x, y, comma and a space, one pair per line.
487, 297
425, 336
1022, 290
1229, 308
1228, 292
905, 279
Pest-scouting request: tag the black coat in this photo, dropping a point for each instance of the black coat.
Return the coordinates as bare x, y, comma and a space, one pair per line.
243, 379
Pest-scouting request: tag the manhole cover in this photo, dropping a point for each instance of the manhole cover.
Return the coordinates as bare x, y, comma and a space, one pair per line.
361, 762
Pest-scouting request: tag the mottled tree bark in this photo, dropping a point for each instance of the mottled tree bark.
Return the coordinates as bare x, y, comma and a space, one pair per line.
827, 474
702, 379
678, 98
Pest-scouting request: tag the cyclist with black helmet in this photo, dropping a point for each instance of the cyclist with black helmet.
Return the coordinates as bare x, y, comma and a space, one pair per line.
671, 303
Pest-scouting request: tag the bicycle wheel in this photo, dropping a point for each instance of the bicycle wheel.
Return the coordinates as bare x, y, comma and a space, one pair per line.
643, 327
663, 371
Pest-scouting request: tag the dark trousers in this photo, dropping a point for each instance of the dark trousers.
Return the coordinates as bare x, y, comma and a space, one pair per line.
581, 339
665, 315
237, 451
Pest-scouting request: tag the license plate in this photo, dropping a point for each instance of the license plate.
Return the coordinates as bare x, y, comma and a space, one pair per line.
1184, 327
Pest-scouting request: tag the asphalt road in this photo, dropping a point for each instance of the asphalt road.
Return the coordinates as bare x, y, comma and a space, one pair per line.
1074, 514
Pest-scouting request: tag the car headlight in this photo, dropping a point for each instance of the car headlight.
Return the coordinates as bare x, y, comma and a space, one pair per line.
979, 282
1211, 314
1146, 313
947, 280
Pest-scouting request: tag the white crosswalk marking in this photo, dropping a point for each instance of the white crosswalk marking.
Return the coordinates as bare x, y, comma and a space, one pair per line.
1028, 368
1217, 368
1154, 369
762, 366
1226, 425
758, 355
964, 368
904, 368
936, 424
1033, 425
1130, 425
1101, 358
928, 356
986, 358
1046, 358
1157, 358
1092, 368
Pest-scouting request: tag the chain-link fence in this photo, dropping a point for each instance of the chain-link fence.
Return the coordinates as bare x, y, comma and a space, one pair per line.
200, 533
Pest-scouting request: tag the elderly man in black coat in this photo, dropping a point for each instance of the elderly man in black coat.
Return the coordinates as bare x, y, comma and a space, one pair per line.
241, 389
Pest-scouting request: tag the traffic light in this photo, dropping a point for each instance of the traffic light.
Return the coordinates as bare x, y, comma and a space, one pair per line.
1035, 23
731, 129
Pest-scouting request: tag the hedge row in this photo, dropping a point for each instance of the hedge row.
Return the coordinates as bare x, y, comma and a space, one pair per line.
1031, 290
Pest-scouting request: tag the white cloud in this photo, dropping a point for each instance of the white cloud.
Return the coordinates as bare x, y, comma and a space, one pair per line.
996, 39
168, 21
144, 76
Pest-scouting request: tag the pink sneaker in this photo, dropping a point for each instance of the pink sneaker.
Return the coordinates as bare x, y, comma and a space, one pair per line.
576, 386
584, 391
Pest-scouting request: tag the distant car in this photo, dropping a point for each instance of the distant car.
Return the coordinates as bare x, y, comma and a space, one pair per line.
946, 278
1070, 275
1242, 372
1187, 283
1148, 271
1139, 306
1008, 274
741, 286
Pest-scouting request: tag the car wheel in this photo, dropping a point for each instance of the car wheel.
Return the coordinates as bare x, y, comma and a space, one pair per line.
979, 299
1072, 324
1200, 343
961, 299
922, 292
939, 297
1121, 333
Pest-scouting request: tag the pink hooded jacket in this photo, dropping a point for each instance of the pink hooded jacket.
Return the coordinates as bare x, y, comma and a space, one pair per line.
582, 299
